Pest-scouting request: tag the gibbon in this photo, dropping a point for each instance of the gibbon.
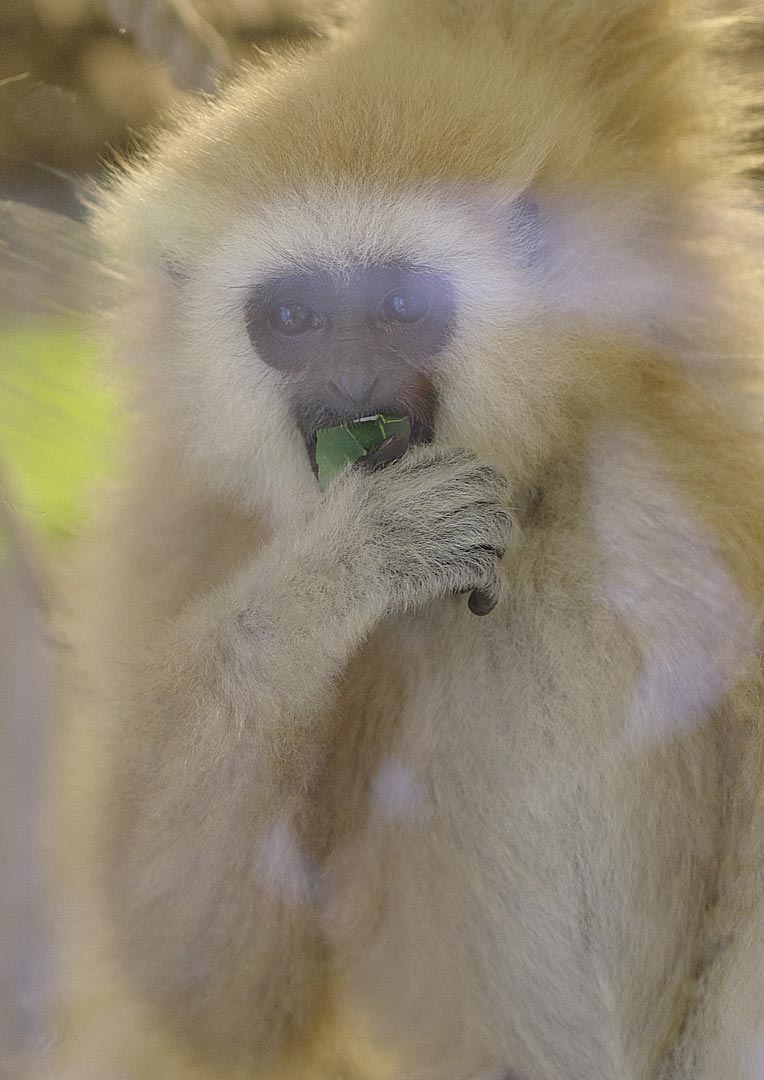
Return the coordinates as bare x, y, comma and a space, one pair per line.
314, 817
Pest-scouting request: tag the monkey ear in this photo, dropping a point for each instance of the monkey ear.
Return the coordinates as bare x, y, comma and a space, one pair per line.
527, 229
174, 268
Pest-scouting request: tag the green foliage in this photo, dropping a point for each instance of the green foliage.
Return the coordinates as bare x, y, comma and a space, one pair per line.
337, 447
57, 422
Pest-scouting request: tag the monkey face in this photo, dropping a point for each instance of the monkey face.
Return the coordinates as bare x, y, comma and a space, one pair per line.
341, 303
331, 303
353, 344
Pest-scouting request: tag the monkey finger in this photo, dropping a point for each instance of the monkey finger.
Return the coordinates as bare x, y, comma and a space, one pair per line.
498, 552
485, 597
388, 451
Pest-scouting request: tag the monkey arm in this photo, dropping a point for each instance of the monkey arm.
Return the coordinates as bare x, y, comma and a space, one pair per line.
210, 870
211, 887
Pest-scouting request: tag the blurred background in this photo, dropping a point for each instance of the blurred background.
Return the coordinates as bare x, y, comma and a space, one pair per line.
79, 81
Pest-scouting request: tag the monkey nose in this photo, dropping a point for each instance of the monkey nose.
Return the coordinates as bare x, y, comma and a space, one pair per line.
357, 384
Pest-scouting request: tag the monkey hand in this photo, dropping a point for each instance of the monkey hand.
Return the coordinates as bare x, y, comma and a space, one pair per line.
434, 523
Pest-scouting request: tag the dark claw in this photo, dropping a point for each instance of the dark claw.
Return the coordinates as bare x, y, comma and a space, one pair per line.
480, 603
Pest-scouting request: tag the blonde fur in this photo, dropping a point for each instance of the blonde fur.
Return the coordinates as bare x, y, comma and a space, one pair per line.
311, 810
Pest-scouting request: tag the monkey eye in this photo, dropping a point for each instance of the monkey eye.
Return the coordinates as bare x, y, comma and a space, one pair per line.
291, 318
404, 306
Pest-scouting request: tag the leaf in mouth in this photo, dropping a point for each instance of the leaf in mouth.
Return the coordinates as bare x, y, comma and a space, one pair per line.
339, 446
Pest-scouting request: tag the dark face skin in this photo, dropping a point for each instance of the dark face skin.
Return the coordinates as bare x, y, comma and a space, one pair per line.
357, 343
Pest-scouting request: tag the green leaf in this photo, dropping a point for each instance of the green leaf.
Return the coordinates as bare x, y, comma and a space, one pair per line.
335, 448
339, 446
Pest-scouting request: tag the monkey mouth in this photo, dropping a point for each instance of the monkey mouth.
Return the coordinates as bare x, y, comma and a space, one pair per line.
422, 430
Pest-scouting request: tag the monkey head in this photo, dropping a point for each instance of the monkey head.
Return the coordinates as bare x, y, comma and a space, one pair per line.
351, 235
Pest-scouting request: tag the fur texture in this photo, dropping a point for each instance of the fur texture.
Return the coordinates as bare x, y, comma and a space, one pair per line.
313, 811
